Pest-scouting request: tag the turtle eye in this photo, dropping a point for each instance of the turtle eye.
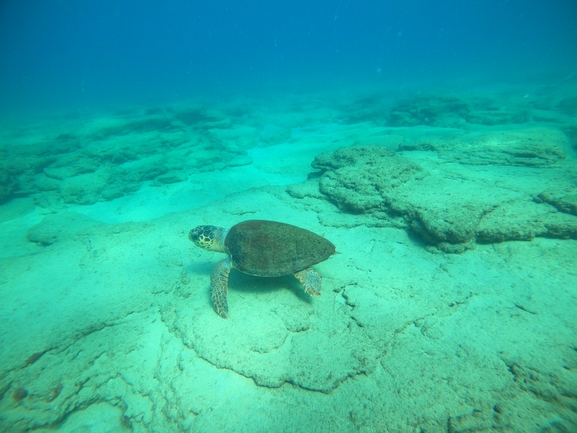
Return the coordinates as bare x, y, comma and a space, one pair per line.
196, 235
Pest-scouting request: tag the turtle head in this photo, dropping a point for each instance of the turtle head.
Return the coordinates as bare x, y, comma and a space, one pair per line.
209, 237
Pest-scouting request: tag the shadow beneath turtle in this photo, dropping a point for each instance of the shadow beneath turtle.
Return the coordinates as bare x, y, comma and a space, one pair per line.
200, 268
251, 284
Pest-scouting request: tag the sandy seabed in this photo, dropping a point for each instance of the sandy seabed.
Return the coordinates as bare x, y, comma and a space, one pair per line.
449, 308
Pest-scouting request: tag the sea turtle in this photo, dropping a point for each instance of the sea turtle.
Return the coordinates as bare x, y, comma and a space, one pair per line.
264, 249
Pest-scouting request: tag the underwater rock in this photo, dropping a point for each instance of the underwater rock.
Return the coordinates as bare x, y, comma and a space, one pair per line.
383, 171
7, 184
126, 126
497, 117
568, 106
454, 112
533, 147
563, 200
57, 227
368, 108
447, 211
196, 115
19, 394
571, 133
109, 157
172, 176
71, 165
273, 134
429, 110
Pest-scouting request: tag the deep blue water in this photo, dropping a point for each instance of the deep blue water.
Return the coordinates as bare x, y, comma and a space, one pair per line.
69, 55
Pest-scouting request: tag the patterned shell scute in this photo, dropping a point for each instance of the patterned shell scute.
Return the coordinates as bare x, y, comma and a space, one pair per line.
271, 249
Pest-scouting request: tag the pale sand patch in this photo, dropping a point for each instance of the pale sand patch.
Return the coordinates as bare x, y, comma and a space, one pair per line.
107, 324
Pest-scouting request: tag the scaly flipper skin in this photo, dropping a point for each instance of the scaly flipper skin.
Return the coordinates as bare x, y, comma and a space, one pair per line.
311, 280
219, 286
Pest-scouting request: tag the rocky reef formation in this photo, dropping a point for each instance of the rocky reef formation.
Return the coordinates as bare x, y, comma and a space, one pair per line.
453, 206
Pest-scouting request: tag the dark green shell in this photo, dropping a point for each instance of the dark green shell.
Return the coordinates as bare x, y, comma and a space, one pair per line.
271, 249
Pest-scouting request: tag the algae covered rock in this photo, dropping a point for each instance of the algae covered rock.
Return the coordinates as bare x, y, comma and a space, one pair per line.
111, 156
7, 184
455, 112
564, 200
382, 172
531, 147
429, 110
451, 210
58, 227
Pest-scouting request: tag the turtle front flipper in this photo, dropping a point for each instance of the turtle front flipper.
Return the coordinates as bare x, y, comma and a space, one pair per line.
219, 286
311, 280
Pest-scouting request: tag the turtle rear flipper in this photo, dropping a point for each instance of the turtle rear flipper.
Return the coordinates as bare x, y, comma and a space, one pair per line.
311, 280
219, 287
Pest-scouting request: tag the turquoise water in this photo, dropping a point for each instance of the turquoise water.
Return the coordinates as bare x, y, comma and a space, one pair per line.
433, 143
